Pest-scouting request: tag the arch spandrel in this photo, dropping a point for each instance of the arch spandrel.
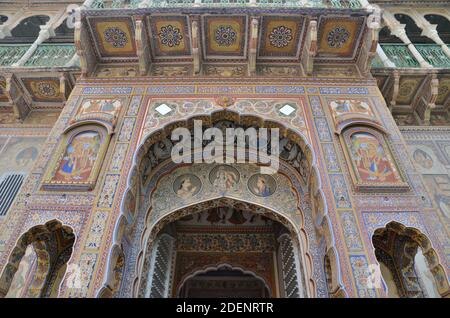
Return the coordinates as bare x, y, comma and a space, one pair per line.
165, 199
156, 128
246, 111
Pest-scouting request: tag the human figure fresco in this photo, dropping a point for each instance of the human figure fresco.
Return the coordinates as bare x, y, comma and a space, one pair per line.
187, 188
111, 106
423, 159
79, 158
17, 286
372, 162
261, 186
26, 156
225, 178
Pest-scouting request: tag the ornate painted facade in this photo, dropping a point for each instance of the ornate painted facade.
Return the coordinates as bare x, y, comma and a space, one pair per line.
92, 205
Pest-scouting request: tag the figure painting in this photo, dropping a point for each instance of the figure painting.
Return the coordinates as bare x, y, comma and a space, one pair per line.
262, 185
22, 274
439, 188
423, 159
224, 177
79, 158
342, 109
110, 106
19, 154
186, 186
372, 161
426, 159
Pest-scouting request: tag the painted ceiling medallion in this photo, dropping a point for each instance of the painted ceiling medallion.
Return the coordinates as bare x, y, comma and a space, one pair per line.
225, 35
170, 36
337, 37
116, 37
280, 36
46, 89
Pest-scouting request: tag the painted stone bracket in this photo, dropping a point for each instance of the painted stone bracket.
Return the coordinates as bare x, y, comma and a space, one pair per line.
425, 98
391, 88
20, 102
195, 44
253, 47
310, 48
142, 46
84, 49
370, 43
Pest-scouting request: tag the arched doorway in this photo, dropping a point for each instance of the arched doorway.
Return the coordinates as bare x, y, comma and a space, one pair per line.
409, 264
228, 251
144, 211
224, 281
37, 263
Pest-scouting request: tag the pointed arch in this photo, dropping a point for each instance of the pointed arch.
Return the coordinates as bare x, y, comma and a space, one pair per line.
53, 243
405, 241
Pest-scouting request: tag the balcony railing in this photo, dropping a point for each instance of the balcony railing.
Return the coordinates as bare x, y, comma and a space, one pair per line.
11, 53
434, 55
400, 55
132, 4
46, 55
51, 55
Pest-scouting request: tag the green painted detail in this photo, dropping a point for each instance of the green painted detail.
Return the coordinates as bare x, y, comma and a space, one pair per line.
11, 53
433, 54
400, 55
377, 62
115, 4
48, 55
131, 4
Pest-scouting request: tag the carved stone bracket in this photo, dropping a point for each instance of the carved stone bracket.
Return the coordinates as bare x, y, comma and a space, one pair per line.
84, 49
20, 102
390, 89
253, 47
195, 44
310, 48
370, 43
425, 98
142, 46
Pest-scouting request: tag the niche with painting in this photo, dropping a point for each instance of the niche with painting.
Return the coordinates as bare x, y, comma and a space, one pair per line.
78, 159
372, 163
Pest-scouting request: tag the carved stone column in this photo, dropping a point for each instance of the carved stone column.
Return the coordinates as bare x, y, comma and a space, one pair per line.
398, 30
6, 28
428, 29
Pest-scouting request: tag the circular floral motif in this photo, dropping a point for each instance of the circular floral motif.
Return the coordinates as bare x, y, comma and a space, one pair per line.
116, 37
280, 36
225, 35
170, 36
337, 37
46, 89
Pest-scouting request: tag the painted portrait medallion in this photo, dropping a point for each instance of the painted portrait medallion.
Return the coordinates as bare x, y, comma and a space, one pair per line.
187, 185
372, 161
423, 159
79, 158
262, 185
224, 177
